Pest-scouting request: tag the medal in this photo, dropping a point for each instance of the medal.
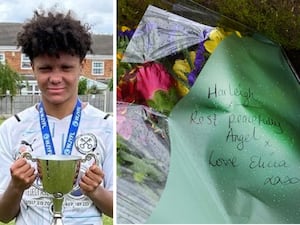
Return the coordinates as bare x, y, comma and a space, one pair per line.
48, 144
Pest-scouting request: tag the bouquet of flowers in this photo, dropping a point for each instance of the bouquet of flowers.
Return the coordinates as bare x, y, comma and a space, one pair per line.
159, 63
163, 58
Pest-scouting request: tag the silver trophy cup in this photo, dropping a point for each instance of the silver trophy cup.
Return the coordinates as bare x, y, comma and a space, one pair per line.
58, 174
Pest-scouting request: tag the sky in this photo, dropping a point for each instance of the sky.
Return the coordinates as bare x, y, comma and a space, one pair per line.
97, 13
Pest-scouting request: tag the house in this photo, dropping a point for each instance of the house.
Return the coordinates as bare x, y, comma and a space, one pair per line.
98, 67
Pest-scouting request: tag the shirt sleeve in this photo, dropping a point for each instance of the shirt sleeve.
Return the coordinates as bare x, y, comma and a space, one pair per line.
6, 156
108, 164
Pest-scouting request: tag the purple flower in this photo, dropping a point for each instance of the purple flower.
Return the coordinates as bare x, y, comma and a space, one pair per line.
198, 64
126, 33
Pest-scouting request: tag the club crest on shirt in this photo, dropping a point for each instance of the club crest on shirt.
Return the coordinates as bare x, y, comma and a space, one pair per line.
86, 143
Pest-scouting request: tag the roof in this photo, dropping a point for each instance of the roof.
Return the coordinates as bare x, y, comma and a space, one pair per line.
102, 44
8, 33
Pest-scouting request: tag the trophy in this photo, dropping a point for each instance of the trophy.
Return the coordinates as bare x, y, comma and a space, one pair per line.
58, 174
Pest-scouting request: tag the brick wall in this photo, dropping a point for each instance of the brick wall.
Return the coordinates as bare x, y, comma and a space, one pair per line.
13, 59
108, 70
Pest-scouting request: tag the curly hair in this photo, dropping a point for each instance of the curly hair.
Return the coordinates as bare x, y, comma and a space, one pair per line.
51, 33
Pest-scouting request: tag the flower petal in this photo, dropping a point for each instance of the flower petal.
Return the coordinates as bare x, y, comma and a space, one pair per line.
210, 45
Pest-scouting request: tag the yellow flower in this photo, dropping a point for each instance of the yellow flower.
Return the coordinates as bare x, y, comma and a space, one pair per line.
215, 37
119, 57
181, 88
182, 68
124, 28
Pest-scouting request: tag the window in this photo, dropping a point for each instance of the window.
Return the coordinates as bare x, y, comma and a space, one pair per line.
2, 58
31, 88
98, 68
25, 62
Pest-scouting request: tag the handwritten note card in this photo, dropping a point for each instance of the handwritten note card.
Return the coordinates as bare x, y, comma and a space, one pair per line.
235, 148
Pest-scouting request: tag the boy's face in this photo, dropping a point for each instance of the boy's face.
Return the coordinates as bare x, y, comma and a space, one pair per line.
57, 77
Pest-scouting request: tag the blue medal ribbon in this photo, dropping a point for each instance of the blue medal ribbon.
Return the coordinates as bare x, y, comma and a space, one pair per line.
74, 124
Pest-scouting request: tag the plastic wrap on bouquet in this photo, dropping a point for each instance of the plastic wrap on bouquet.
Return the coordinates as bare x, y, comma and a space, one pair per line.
161, 33
143, 161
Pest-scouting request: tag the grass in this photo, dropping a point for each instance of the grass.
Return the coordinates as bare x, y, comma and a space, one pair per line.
106, 221
11, 223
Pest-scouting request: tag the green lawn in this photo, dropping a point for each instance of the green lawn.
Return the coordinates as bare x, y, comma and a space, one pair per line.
106, 221
11, 223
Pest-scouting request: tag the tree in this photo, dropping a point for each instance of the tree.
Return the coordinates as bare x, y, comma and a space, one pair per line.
110, 85
9, 80
82, 86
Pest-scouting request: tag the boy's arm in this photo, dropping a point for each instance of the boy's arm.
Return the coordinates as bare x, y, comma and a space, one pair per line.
22, 177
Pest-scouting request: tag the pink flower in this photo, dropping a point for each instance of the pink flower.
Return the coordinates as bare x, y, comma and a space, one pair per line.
149, 84
152, 77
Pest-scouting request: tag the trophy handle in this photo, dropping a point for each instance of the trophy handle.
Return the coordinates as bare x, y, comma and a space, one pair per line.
28, 156
90, 156
87, 157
